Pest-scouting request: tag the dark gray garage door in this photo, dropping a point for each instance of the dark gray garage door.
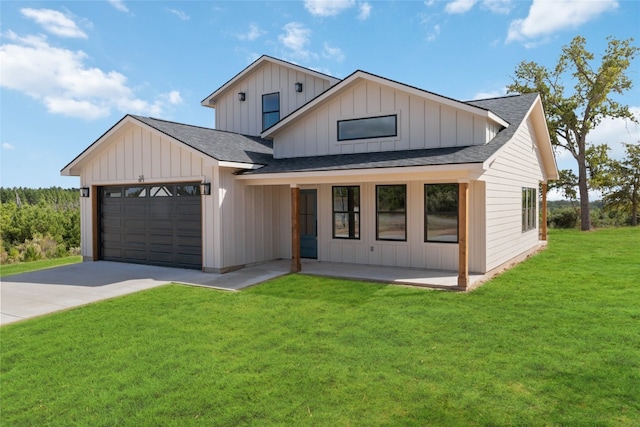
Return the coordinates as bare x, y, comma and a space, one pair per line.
158, 224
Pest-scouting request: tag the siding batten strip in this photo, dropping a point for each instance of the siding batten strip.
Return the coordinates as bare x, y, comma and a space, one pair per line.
463, 236
295, 230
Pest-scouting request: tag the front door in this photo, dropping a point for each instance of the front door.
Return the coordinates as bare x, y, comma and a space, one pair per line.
308, 224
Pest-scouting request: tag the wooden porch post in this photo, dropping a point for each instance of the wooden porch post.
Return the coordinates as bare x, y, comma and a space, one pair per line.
543, 226
295, 230
463, 235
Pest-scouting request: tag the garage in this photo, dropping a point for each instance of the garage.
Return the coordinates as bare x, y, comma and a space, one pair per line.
157, 224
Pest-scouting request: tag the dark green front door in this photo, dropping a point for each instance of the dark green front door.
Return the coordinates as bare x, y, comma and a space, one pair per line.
308, 224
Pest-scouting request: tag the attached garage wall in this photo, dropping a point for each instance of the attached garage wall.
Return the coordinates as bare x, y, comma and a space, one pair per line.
136, 153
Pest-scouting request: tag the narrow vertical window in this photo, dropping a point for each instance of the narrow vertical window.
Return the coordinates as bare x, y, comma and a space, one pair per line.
391, 212
529, 203
270, 110
346, 212
441, 213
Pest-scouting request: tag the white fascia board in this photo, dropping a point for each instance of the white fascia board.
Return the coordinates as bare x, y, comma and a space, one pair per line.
269, 133
208, 101
239, 165
438, 173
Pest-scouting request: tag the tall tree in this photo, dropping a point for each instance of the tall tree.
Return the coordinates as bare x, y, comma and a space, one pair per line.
621, 183
574, 112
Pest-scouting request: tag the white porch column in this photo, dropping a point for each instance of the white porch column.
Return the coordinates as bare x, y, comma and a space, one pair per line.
463, 236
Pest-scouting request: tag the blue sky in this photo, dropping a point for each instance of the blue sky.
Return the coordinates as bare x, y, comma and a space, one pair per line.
69, 70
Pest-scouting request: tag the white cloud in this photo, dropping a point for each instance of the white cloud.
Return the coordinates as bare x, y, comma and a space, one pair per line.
328, 7
365, 11
459, 6
295, 38
54, 22
546, 17
180, 14
7, 146
174, 97
498, 6
615, 131
119, 5
434, 33
464, 6
60, 79
253, 33
334, 53
489, 94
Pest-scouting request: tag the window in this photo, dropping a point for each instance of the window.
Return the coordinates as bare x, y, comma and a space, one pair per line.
441, 213
270, 110
187, 190
111, 192
346, 212
391, 212
529, 202
371, 127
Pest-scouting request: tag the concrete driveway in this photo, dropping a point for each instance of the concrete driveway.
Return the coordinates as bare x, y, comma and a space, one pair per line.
46, 291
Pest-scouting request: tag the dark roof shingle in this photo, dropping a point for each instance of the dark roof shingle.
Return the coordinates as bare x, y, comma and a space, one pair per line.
221, 145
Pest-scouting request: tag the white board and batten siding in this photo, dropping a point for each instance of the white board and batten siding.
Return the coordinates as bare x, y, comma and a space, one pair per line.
414, 252
245, 117
516, 166
422, 123
255, 221
136, 153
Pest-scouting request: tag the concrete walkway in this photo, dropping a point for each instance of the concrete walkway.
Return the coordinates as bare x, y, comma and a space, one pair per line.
46, 291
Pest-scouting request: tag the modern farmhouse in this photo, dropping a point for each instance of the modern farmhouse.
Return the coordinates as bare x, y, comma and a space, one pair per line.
363, 170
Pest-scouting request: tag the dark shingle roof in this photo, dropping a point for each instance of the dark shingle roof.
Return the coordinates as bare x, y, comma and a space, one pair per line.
513, 109
223, 146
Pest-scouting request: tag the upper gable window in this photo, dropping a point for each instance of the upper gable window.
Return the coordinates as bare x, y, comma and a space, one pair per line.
270, 110
370, 127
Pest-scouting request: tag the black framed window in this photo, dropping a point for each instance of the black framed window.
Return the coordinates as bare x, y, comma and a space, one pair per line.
529, 203
346, 212
370, 127
391, 212
441, 213
270, 110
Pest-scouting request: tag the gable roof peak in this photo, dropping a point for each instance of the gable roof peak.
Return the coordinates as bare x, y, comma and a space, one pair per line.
209, 101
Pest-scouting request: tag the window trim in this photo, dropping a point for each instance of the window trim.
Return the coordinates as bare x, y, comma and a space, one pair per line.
270, 111
378, 212
352, 214
395, 130
529, 204
426, 230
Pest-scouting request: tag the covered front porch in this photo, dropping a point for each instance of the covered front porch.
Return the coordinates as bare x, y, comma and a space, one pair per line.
435, 279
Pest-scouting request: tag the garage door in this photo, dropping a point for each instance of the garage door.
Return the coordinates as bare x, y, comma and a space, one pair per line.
158, 224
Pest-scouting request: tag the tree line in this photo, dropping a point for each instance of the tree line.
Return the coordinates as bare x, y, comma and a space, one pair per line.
38, 223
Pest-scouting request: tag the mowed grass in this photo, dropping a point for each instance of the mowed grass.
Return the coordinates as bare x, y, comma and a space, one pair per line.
554, 341
25, 267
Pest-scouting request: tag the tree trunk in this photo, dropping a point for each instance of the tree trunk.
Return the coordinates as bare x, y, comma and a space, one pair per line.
583, 187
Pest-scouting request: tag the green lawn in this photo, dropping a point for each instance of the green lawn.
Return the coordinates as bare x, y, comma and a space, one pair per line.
554, 341
25, 267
